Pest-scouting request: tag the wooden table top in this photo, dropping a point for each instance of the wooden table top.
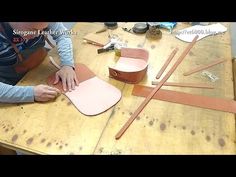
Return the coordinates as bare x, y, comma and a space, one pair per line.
59, 128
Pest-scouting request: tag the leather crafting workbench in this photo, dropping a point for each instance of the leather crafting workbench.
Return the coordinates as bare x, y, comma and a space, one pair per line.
161, 128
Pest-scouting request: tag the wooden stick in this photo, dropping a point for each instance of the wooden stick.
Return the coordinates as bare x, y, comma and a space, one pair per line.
191, 85
167, 63
200, 68
148, 98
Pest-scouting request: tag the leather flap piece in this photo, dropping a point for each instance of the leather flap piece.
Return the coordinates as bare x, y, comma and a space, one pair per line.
83, 73
93, 95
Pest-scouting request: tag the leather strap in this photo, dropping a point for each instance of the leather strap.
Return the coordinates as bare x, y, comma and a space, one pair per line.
17, 51
83, 73
197, 69
190, 85
166, 63
33, 60
149, 97
12, 44
48, 41
187, 99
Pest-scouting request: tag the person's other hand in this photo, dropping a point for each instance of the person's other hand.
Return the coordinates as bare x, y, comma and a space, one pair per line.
44, 93
68, 78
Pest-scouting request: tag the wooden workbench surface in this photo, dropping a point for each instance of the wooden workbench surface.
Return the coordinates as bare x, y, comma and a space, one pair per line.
162, 128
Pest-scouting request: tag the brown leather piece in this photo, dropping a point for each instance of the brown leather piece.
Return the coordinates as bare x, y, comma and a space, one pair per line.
82, 73
35, 59
6, 151
187, 99
32, 61
48, 41
135, 53
151, 94
131, 77
190, 85
167, 63
200, 68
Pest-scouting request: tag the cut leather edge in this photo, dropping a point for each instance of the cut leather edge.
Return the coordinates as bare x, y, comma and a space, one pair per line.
84, 74
133, 76
89, 113
187, 99
190, 85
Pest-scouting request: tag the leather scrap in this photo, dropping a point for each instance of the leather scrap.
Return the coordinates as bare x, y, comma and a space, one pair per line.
200, 101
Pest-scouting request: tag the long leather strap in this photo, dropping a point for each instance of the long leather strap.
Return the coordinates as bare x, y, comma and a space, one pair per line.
166, 63
190, 85
17, 51
149, 97
200, 68
187, 99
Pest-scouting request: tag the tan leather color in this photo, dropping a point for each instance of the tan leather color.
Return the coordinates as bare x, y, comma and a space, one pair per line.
92, 96
187, 99
35, 59
32, 61
190, 85
131, 67
82, 72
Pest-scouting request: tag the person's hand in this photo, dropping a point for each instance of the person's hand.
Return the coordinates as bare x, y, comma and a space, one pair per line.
68, 78
44, 93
